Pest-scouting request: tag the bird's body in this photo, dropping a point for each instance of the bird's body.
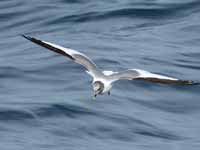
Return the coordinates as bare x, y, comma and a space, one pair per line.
103, 80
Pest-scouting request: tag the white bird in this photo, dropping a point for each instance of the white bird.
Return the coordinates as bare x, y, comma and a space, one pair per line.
103, 80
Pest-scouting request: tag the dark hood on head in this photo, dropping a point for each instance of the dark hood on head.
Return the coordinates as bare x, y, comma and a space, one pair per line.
100, 90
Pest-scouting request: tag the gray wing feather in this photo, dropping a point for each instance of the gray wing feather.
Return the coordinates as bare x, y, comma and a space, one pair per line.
125, 75
87, 63
136, 74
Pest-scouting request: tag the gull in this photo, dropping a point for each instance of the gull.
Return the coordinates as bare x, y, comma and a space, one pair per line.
103, 80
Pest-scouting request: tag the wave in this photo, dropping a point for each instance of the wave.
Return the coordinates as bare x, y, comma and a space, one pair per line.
164, 12
15, 115
10, 72
68, 110
121, 124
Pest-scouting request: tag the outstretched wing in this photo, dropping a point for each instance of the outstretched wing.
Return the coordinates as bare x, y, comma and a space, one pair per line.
72, 54
136, 74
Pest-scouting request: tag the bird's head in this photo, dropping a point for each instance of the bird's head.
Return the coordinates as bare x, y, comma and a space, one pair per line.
98, 88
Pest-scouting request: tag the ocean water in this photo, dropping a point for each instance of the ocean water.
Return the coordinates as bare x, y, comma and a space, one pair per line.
46, 100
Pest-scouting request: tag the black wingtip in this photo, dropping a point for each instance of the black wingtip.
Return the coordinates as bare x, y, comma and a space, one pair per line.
46, 45
195, 83
32, 39
189, 82
26, 37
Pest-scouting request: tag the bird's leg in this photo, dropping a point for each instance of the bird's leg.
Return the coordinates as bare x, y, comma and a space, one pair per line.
94, 97
108, 92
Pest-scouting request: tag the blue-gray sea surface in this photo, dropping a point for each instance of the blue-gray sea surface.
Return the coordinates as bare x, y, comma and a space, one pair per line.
46, 99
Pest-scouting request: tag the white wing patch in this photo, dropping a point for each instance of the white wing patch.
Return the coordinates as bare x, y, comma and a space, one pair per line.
107, 73
146, 74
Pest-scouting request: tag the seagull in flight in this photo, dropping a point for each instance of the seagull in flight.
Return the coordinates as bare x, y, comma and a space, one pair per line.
103, 80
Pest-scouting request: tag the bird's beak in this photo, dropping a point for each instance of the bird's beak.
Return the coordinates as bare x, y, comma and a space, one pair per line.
95, 94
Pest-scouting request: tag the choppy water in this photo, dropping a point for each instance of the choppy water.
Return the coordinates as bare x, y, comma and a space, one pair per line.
45, 99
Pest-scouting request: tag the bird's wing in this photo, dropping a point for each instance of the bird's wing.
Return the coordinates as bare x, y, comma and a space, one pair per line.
137, 74
72, 54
